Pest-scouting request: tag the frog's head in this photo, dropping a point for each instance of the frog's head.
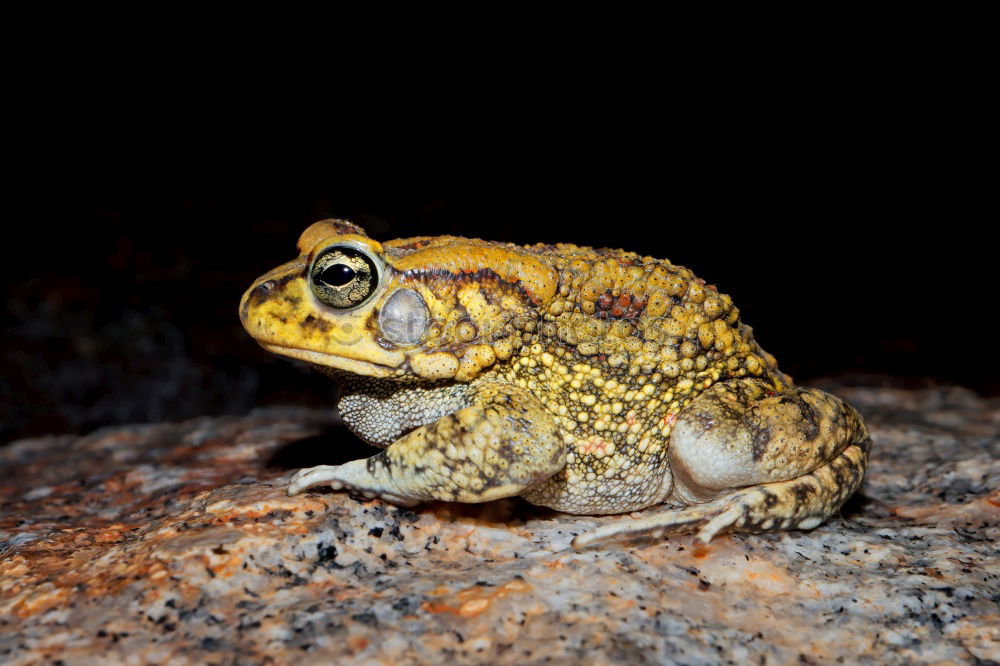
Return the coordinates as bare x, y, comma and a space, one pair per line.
438, 307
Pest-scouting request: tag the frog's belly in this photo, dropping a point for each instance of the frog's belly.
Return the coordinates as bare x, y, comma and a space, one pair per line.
600, 480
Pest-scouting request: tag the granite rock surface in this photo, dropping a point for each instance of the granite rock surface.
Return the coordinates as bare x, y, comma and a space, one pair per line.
175, 543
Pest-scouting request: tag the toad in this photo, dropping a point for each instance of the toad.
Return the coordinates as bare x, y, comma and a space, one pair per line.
590, 381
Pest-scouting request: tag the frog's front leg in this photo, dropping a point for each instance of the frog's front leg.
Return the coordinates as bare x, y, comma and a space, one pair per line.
746, 458
501, 444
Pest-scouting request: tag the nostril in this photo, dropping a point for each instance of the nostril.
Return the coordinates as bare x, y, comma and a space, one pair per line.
255, 297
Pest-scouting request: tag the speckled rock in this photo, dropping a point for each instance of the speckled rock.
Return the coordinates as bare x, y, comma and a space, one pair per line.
176, 544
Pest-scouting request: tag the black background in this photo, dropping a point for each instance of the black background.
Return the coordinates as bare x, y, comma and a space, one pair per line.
854, 234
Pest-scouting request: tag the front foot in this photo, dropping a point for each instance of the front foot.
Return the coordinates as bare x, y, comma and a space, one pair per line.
496, 448
352, 476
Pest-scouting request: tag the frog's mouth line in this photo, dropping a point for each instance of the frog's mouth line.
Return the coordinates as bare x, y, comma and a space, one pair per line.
365, 368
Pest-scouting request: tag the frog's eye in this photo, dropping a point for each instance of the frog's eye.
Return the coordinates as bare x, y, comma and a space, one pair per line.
344, 277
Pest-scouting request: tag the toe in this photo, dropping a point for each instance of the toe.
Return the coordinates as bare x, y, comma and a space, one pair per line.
310, 477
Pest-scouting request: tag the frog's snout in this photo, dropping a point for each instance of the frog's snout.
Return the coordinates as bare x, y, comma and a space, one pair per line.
255, 295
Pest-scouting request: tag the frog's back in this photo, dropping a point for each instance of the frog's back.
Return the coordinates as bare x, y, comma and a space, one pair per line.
640, 315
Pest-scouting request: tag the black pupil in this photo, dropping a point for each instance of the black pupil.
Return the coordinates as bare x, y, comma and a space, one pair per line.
337, 275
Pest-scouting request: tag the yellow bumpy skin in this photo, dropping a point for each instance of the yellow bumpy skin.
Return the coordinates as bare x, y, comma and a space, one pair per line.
588, 381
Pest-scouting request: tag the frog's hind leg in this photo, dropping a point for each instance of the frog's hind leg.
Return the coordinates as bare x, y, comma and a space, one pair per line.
745, 458
502, 444
802, 503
